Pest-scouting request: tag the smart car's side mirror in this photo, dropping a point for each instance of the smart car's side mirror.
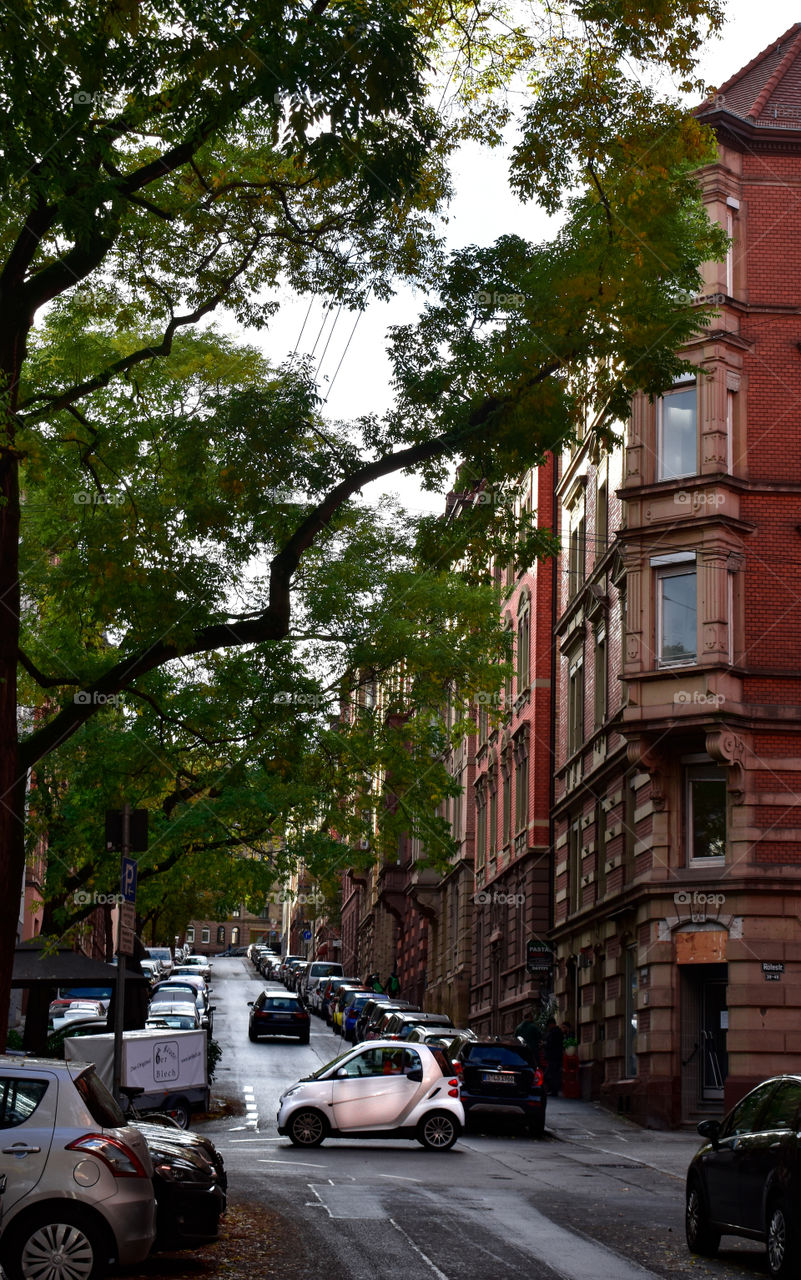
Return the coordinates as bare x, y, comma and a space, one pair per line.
342, 1073
710, 1129
416, 1075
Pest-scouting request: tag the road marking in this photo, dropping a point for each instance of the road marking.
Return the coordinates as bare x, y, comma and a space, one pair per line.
398, 1177
418, 1251
308, 1163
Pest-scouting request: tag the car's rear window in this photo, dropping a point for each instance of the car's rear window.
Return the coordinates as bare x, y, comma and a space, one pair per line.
495, 1055
441, 1060
100, 1104
282, 1004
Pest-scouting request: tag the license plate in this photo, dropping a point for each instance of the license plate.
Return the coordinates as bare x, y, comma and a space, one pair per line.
497, 1077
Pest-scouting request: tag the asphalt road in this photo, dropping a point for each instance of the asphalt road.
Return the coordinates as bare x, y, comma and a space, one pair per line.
582, 1204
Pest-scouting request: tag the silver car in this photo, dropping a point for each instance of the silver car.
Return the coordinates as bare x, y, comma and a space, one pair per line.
79, 1189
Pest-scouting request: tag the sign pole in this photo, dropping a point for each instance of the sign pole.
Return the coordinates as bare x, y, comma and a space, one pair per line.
119, 1006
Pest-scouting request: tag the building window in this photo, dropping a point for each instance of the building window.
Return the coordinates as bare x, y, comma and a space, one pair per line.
601, 518
600, 850
481, 828
706, 813
629, 827
575, 706
493, 816
677, 432
237, 911
235, 936
574, 867
190, 933
676, 616
221, 934
205, 935
599, 677
508, 627
576, 550
521, 785
506, 775
523, 645
631, 1012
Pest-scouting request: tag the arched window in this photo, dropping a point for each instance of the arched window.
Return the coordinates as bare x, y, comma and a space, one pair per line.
221, 934
234, 936
523, 663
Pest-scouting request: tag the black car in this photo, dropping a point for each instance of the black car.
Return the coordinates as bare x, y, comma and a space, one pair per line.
501, 1079
366, 1012
401, 1025
746, 1178
278, 1015
189, 1183
381, 1011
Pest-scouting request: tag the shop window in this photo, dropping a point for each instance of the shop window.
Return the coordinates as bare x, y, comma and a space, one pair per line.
677, 432
706, 813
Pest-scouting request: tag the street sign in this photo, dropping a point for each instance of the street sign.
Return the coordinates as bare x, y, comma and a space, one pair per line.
127, 929
137, 830
306, 935
128, 879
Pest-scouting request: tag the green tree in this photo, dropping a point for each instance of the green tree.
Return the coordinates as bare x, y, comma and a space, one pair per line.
158, 162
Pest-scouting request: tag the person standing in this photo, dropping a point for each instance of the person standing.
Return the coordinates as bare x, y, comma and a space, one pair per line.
529, 1032
554, 1048
392, 986
376, 984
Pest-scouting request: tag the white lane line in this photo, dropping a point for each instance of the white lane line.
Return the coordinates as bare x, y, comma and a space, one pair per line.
236, 1140
418, 1250
307, 1163
397, 1177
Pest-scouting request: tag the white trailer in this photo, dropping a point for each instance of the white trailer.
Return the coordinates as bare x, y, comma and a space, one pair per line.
169, 1066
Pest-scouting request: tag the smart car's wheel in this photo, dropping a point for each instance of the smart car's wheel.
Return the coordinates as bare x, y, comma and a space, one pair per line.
701, 1237
307, 1128
782, 1241
59, 1244
437, 1131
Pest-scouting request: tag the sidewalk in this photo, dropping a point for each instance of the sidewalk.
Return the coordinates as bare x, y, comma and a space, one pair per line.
589, 1125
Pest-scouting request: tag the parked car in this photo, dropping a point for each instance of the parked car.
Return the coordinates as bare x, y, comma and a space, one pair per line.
194, 964
319, 969
295, 974
272, 1014
79, 1178
501, 1078
367, 1010
77, 1027
382, 1090
178, 1014
400, 1025
178, 990
352, 1013
103, 994
190, 1185
76, 1011
745, 1179
343, 998
449, 1039
286, 961
329, 991
164, 957
378, 1022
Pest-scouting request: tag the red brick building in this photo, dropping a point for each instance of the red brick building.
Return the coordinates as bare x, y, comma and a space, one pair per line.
678, 770
512, 793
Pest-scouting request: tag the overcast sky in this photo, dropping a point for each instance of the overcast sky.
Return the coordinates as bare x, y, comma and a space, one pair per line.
351, 354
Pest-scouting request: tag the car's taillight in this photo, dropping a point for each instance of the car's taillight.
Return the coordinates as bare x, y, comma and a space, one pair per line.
121, 1160
303, 1017
453, 1088
538, 1078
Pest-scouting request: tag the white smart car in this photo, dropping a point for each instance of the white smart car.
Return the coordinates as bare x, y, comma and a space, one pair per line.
384, 1090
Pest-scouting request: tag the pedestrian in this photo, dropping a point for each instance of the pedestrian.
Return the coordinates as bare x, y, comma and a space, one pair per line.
529, 1032
392, 986
376, 984
554, 1048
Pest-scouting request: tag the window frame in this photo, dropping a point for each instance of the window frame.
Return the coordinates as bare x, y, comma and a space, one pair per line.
714, 773
680, 387
683, 568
